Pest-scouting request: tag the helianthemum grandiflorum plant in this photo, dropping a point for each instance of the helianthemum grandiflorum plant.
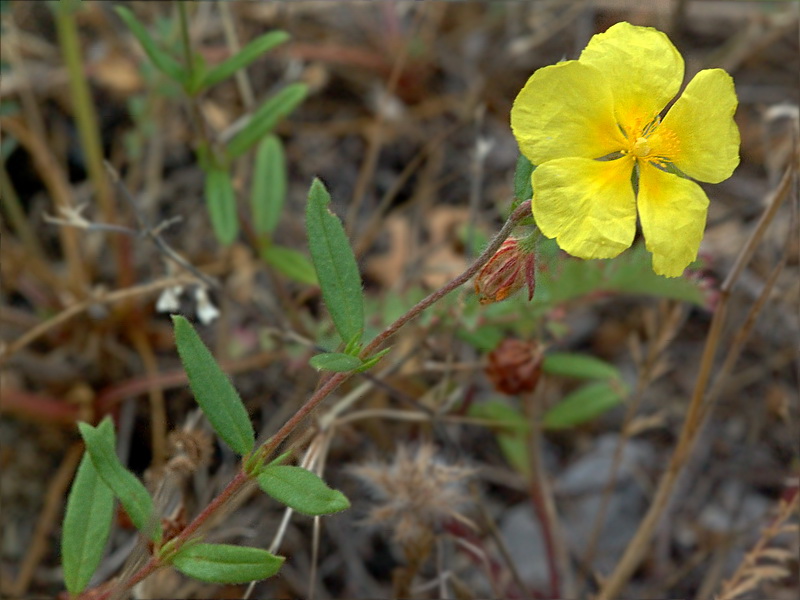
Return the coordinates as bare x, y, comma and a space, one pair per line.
594, 130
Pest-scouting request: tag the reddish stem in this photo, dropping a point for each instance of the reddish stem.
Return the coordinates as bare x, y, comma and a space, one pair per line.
333, 382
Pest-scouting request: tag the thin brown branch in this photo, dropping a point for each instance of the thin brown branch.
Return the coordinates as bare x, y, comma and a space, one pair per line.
76, 309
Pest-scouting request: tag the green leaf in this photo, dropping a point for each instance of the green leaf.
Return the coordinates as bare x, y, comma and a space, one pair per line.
291, 263
485, 337
87, 523
221, 203
245, 56
523, 189
301, 490
372, 360
269, 185
136, 500
224, 563
584, 404
335, 264
335, 361
8, 108
632, 273
567, 278
579, 365
353, 345
265, 117
514, 447
213, 390
163, 61
512, 434
502, 415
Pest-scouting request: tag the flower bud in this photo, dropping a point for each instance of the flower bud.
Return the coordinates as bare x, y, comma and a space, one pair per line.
506, 272
514, 366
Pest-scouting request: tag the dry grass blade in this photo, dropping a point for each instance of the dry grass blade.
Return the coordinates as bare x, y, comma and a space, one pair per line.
753, 569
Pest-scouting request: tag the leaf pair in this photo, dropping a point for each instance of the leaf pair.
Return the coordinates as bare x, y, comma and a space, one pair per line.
296, 487
201, 78
269, 169
269, 172
101, 477
87, 521
589, 401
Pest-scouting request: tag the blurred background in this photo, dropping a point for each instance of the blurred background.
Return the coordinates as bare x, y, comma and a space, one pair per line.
405, 118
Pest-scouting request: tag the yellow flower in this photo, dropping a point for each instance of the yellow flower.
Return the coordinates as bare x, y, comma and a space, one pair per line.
593, 129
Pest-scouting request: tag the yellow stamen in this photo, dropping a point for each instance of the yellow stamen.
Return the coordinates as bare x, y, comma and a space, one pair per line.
641, 148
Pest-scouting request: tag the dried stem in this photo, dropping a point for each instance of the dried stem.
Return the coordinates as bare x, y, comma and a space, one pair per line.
38, 545
749, 573
543, 503
76, 309
89, 132
57, 184
648, 371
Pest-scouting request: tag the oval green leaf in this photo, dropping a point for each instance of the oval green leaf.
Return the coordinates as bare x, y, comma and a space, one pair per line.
264, 119
335, 361
335, 264
163, 61
580, 366
301, 490
269, 185
221, 203
212, 389
132, 494
584, 404
87, 523
244, 57
224, 563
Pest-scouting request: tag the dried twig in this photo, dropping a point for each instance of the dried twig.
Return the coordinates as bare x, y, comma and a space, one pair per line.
764, 563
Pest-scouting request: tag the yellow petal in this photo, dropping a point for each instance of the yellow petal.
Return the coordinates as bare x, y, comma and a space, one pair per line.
672, 211
643, 68
587, 205
565, 110
702, 122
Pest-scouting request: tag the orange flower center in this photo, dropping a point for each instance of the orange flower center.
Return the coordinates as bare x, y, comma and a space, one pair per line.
652, 143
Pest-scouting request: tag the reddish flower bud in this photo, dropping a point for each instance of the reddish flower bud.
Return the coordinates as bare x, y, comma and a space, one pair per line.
514, 366
506, 272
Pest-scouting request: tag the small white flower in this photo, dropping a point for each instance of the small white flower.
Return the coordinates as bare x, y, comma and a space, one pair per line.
206, 311
169, 300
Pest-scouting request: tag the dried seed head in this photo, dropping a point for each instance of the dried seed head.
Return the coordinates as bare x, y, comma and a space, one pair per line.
514, 366
511, 267
414, 496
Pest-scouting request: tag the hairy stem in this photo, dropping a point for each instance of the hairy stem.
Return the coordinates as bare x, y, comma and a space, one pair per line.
328, 386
